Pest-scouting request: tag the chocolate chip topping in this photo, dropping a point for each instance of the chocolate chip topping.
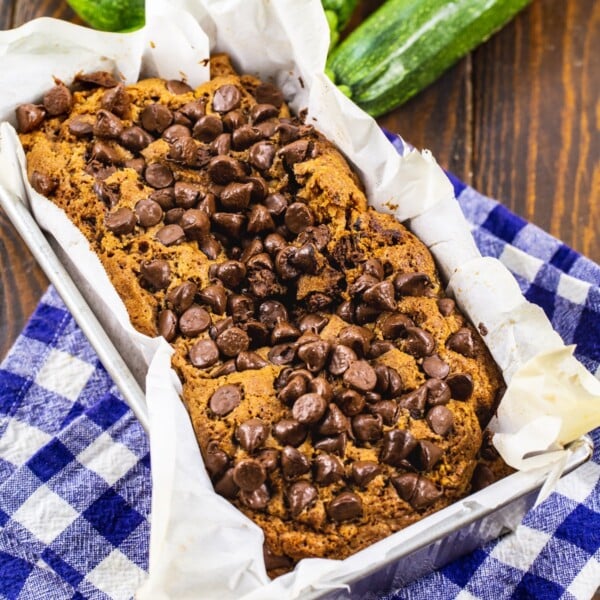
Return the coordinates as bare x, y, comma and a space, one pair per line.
44, 184
298, 217
327, 469
156, 273
267, 93
216, 460
224, 169
167, 324
290, 432
418, 491
412, 284
107, 125
257, 499
293, 463
227, 397
364, 471
314, 355
461, 386
462, 342
418, 342
116, 100
367, 428
29, 117
414, 402
155, 118
207, 128
361, 376
440, 419
426, 455
252, 433
194, 321
397, 445
438, 392
233, 341
80, 127
273, 561
170, 235
345, 506
249, 474
482, 477
446, 306
178, 87
226, 98
350, 402
58, 100
300, 495
226, 486
309, 408
204, 353
181, 297
148, 212
434, 366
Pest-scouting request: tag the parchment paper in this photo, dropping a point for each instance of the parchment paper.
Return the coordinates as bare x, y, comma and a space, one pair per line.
201, 546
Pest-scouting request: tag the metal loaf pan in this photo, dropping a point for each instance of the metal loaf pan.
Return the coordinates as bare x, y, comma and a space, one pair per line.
426, 545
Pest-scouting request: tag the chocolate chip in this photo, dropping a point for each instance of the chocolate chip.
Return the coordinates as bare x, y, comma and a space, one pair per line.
314, 355
45, 185
312, 322
215, 296
373, 267
231, 273
440, 419
438, 392
165, 198
320, 385
361, 284
107, 125
412, 284
226, 368
260, 220
381, 296
290, 432
249, 474
137, 164
210, 247
257, 499
204, 354
155, 118
284, 265
227, 397
309, 408
221, 144
194, 109
262, 112
261, 157
462, 342
219, 327
434, 366
167, 324
29, 117
418, 342
334, 422
345, 506
318, 235
418, 491
180, 298
426, 455
226, 98
395, 326
225, 169
226, 486
240, 307
246, 361
298, 217
156, 273
231, 224
272, 312
350, 402
386, 409
482, 477
260, 188
251, 434
58, 100
260, 261
335, 445
461, 386
365, 313
356, 337
367, 428
345, 311
116, 100
274, 561
267, 93
244, 136
158, 176
397, 445
194, 321
274, 243
97, 79
178, 87
292, 390
207, 128
293, 463
414, 402
269, 457
446, 306
284, 332
175, 132
215, 460
233, 119
361, 376
300, 495
170, 235
186, 194
364, 471
305, 258
236, 196
80, 128
233, 341
282, 354
174, 216
294, 152
327, 469
148, 213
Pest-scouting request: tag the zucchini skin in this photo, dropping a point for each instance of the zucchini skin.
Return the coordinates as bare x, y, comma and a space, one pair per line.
406, 44
111, 15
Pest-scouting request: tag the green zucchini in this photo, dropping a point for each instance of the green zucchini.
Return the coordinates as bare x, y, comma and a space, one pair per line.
406, 44
111, 15
338, 13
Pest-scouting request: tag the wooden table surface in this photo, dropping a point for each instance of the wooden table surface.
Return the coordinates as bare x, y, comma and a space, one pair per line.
518, 119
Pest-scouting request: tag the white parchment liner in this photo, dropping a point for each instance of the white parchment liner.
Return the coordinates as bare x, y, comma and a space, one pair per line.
201, 546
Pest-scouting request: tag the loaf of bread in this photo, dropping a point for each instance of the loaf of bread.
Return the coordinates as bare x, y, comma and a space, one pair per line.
336, 393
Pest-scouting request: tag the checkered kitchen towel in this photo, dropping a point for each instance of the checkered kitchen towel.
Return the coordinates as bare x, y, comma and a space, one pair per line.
74, 463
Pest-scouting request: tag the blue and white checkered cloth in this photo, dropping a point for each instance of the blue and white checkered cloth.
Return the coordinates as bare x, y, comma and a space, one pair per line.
75, 470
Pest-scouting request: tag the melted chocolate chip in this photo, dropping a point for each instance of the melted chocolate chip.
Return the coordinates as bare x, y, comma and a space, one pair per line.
350, 402
58, 100
292, 390
249, 474
116, 100
440, 419
412, 284
364, 471
45, 185
79, 127
414, 402
300, 495
156, 273
290, 432
314, 355
225, 169
434, 366
227, 397
426, 455
194, 321
461, 386
226, 98
257, 499
335, 422
293, 463
226, 486
158, 176
327, 469
418, 342
233, 341
438, 392
274, 561
215, 460
260, 220
215, 296
167, 324
181, 297
148, 212
178, 87
345, 506
367, 428
155, 118
462, 342
298, 217
246, 361
252, 434
397, 445
356, 337
107, 125
446, 306
309, 408
418, 491
335, 445
170, 235
29, 117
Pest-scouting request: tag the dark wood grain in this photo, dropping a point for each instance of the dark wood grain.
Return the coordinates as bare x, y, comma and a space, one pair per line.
536, 119
26, 10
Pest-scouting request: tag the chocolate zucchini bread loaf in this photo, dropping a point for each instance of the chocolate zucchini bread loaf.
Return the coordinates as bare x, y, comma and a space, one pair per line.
337, 395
